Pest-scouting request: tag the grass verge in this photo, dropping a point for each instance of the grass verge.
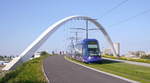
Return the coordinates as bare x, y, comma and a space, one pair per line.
28, 72
133, 72
129, 59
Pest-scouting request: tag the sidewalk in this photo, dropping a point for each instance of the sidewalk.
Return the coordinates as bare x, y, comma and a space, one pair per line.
130, 62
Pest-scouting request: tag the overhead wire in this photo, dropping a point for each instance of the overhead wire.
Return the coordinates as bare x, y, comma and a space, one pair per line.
113, 8
130, 18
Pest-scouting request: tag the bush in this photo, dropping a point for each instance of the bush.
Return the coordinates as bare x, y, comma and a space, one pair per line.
145, 57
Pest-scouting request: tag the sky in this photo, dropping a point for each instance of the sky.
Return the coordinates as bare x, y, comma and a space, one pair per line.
22, 21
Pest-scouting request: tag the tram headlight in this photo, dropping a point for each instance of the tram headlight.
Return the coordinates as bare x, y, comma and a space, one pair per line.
89, 57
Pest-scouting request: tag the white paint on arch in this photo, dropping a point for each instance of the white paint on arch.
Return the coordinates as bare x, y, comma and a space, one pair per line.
30, 50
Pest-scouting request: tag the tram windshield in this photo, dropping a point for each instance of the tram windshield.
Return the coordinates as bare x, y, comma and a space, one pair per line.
93, 49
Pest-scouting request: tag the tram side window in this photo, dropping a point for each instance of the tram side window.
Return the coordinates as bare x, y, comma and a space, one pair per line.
84, 51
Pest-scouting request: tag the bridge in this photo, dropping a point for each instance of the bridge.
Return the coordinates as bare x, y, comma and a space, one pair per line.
59, 70
30, 50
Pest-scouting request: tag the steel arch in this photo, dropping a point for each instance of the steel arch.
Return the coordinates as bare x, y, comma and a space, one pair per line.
30, 50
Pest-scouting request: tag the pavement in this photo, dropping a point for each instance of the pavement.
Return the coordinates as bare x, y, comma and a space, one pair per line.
59, 70
130, 62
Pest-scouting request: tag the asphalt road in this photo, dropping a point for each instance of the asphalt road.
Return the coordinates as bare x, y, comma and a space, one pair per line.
59, 70
130, 62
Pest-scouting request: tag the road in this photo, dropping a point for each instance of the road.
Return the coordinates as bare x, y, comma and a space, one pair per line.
130, 62
59, 70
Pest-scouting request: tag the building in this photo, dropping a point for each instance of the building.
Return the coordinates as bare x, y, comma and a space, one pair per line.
135, 54
4, 62
117, 48
148, 53
107, 51
37, 54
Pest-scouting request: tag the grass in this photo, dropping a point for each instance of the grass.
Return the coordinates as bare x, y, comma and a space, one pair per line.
2, 73
129, 59
134, 72
28, 72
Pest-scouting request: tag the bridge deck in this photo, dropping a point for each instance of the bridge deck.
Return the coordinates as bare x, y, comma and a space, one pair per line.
59, 70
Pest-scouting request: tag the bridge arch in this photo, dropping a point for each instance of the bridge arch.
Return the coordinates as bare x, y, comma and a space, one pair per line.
30, 50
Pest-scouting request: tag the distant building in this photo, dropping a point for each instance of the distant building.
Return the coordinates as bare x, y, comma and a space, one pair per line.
117, 48
37, 54
107, 51
4, 62
148, 53
135, 54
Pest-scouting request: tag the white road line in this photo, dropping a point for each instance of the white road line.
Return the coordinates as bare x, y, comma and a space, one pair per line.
113, 75
44, 73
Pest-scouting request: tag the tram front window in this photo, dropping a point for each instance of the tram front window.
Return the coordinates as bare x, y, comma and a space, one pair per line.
93, 49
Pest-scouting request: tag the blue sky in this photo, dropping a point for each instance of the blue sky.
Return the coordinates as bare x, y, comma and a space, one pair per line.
21, 21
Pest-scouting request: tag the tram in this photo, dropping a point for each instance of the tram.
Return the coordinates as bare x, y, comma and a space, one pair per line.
87, 51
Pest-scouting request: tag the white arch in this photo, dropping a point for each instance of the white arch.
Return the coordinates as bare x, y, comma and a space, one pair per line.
30, 50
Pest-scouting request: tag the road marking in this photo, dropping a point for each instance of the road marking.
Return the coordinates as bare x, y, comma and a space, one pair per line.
44, 73
113, 75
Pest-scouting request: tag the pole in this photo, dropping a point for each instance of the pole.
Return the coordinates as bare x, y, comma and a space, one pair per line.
76, 36
87, 29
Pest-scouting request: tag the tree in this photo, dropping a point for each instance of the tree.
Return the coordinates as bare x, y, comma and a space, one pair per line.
43, 53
